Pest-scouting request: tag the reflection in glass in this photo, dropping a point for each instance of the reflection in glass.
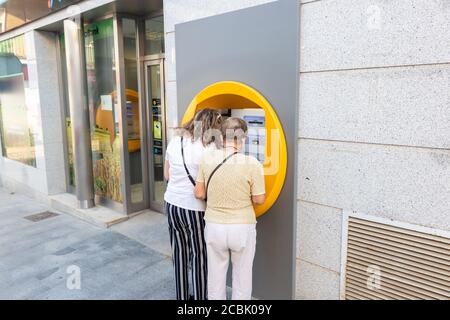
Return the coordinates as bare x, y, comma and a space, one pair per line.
132, 104
154, 35
103, 109
158, 135
14, 13
70, 164
16, 131
35, 9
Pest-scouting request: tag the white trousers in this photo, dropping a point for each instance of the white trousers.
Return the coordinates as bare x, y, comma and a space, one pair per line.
240, 240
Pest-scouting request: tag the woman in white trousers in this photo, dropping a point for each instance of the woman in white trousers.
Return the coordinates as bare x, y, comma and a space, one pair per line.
231, 182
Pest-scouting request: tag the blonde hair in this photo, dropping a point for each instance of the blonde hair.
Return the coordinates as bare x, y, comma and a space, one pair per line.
203, 125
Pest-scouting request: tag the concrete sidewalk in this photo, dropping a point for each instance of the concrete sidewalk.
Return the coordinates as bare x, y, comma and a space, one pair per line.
38, 259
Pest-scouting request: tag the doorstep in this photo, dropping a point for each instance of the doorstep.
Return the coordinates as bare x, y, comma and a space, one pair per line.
100, 216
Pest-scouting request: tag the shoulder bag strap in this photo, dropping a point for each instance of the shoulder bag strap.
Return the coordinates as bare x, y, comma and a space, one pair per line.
215, 170
184, 163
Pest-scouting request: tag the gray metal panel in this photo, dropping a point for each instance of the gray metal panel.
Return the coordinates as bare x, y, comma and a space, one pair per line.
259, 47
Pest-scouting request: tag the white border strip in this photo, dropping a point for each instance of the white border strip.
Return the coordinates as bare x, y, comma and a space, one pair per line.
344, 242
346, 214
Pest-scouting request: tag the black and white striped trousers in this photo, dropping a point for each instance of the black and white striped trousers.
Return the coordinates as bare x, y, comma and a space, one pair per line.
186, 228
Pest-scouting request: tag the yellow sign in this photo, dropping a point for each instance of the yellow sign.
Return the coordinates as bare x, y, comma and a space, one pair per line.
157, 130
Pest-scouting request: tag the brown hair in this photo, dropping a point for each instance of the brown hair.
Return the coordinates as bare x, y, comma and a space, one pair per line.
203, 125
234, 129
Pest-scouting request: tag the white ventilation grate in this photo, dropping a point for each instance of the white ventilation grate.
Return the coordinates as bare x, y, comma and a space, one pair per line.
383, 261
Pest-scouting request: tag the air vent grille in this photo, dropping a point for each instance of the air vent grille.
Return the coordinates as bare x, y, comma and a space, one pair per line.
388, 262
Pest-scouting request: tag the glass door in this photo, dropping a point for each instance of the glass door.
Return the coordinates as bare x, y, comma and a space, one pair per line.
104, 111
154, 83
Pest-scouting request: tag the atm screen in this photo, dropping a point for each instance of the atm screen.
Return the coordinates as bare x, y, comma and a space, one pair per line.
255, 143
256, 138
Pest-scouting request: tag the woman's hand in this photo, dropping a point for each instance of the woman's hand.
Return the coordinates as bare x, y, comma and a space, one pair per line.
200, 190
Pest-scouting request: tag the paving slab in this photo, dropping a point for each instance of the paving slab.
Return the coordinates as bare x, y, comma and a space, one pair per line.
37, 259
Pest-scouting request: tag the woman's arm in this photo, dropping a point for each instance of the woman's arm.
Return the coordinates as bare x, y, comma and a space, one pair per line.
257, 187
200, 190
166, 170
259, 199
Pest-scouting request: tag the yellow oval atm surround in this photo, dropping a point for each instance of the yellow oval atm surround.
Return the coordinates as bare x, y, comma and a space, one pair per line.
236, 95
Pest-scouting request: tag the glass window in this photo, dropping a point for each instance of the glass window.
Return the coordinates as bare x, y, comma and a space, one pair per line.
70, 164
35, 9
16, 130
133, 115
104, 110
14, 13
154, 35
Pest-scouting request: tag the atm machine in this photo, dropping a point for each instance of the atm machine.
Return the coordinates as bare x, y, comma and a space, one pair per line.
247, 62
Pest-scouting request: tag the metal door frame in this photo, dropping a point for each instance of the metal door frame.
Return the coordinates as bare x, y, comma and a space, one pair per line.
143, 62
129, 206
147, 64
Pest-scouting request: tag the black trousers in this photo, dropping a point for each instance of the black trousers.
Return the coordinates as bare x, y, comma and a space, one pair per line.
186, 228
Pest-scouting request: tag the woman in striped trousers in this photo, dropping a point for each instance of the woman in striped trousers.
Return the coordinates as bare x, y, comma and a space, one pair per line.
188, 249
185, 212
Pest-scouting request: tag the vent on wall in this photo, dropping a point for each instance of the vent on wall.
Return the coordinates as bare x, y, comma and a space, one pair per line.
383, 260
